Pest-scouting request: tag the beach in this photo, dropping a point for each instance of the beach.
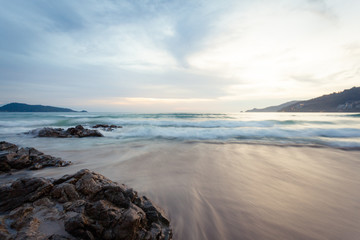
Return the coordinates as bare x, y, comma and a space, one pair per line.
226, 188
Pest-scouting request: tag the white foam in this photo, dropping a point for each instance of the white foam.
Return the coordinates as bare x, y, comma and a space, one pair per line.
26, 123
281, 128
230, 133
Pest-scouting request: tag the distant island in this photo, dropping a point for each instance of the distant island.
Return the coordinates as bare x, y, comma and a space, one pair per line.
22, 107
345, 101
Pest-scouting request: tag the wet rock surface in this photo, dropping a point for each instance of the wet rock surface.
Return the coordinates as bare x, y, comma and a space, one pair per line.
14, 158
78, 131
85, 205
106, 127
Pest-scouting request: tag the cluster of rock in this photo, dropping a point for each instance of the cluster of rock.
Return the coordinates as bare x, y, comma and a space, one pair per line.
14, 158
106, 127
85, 205
78, 131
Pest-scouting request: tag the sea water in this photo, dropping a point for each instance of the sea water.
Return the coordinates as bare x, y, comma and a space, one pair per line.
323, 129
219, 176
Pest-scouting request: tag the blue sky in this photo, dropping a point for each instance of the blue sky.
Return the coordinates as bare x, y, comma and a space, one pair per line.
176, 56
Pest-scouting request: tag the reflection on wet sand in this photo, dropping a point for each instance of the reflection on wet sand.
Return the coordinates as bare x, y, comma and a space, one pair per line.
236, 191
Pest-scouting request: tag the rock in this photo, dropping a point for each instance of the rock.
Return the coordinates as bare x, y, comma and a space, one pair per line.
51, 132
78, 131
106, 127
15, 158
58, 237
65, 192
85, 205
5, 146
22, 191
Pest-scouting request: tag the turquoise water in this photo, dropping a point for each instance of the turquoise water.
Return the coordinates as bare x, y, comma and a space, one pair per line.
323, 129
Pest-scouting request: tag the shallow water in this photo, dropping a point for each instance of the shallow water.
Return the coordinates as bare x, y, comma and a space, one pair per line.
227, 189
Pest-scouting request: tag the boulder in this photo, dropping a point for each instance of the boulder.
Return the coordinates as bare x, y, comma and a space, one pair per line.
106, 127
14, 158
78, 131
85, 205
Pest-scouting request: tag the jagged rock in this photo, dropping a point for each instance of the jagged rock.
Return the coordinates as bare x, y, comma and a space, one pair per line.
106, 127
22, 191
15, 158
85, 205
78, 131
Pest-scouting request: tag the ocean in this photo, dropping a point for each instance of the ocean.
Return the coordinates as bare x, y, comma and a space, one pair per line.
219, 176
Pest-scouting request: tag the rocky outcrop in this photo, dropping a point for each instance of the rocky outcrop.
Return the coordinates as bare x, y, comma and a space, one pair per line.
78, 131
85, 205
14, 158
106, 127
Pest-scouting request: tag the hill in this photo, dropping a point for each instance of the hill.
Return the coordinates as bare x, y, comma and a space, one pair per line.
345, 101
22, 107
273, 108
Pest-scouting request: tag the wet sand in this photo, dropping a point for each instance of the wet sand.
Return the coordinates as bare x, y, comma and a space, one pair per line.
234, 191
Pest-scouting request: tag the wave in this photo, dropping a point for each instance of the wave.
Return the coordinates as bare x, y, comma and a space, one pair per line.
152, 116
186, 124
347, 138
324, 129
238, 133
26, 123
81, 116
73, 121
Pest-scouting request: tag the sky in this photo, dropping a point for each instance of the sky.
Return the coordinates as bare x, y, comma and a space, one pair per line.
176, 55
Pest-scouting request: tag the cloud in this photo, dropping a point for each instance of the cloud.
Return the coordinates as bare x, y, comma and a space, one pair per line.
225, 51
322, 8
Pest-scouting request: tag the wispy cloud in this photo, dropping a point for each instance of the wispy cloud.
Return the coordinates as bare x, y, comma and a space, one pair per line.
192, 50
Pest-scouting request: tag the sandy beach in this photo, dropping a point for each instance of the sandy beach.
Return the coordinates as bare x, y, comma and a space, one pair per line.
235, 191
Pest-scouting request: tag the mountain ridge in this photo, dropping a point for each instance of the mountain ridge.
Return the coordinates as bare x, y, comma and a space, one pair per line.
274, 108
347, 100
23, 107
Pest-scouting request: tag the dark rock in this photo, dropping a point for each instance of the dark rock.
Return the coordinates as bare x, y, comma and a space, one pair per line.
86, 205
78, 131
23, 190
106, 127
65, 192
51, 132
4, 166
77, 206
58, 237
14, 158
5, 146
78, 225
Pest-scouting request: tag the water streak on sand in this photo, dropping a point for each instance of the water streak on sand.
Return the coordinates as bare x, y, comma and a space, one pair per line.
236, 191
